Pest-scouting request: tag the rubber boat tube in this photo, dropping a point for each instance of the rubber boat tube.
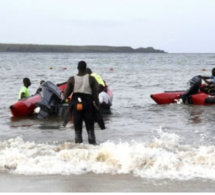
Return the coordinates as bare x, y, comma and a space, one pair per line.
191, 96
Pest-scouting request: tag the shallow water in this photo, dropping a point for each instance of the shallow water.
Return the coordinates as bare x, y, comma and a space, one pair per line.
167, 143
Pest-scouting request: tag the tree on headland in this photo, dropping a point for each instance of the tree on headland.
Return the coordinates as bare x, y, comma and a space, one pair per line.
74, 49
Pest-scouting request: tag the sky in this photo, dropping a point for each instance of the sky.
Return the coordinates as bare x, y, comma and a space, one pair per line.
175, 26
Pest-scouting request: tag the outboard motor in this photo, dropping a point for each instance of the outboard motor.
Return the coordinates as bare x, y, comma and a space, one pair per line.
195, 84
50, 103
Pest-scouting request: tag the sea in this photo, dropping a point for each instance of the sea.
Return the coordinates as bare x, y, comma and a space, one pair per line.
145, 147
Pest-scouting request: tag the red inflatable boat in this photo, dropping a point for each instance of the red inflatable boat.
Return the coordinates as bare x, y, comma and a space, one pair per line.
194, 95
167, 97
26, 106
170, 97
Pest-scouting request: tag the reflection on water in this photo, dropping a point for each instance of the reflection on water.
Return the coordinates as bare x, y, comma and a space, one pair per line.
196, 119
196, 115
49, 127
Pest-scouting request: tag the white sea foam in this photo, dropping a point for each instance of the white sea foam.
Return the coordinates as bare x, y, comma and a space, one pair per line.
162, 157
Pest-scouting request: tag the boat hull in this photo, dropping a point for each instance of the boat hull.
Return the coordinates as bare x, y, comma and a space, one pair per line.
170, 97
25, 107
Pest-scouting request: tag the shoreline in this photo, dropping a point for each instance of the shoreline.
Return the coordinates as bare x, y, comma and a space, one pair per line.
99, 183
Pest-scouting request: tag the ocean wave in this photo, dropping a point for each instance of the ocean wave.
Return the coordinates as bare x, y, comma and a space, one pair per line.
162, 158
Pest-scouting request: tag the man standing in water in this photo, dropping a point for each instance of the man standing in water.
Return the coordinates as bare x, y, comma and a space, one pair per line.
85, 95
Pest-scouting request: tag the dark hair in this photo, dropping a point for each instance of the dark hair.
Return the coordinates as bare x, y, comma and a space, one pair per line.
88, 71
41, 82
26, 81
82, 65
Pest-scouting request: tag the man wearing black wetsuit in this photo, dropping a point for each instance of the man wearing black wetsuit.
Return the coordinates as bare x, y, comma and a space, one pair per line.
85, 95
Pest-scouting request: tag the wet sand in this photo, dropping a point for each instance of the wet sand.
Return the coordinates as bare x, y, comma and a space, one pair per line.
99, 183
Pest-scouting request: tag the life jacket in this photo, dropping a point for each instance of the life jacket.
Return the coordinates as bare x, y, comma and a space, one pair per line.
82, 84
98, 79
24, 90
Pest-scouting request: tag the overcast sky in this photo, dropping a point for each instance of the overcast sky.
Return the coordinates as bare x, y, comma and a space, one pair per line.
170, 25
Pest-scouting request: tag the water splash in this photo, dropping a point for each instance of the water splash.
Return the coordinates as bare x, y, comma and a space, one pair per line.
161, 158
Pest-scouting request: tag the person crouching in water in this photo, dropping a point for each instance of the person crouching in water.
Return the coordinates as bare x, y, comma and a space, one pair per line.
39, 89
104, 100
85, 94
24, 91
210, 87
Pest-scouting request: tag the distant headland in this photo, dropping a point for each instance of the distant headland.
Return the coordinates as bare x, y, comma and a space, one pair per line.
74, 49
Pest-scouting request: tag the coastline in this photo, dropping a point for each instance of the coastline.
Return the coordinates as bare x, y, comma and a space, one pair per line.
75, 49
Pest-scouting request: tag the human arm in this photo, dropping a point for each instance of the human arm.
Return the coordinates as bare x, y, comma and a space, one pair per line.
69, 87
205, 78
38, 91
93, 85
22, 95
